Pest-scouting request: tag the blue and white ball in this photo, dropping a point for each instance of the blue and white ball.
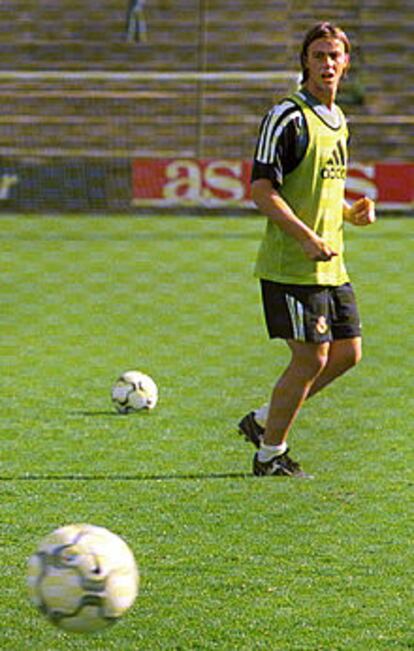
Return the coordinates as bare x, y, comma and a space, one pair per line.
83, 578
134, 391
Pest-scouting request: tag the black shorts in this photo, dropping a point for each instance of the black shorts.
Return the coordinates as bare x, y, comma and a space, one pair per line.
311, 313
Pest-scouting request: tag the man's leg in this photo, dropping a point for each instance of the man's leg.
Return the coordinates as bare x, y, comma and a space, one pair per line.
343, 355
307, 363
313, 365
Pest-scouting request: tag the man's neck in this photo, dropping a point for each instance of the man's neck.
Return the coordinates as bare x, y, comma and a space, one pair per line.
327, 98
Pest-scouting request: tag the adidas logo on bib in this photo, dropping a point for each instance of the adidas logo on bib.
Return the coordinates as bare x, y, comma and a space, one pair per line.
335, 167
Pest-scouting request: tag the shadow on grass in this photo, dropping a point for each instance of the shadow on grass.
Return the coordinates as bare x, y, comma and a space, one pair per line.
120, 477
98, 413
141, 413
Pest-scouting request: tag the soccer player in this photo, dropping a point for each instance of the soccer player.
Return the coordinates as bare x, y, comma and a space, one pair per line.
136, 26
298, 182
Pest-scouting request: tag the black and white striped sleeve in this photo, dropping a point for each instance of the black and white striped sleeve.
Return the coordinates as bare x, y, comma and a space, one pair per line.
281, 144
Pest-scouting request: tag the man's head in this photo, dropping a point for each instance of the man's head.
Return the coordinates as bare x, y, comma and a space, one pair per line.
325, 31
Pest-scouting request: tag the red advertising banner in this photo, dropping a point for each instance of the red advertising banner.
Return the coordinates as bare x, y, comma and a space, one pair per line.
391, 185
215, 183
191, 182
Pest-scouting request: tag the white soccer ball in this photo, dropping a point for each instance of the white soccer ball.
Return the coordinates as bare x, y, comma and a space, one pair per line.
134, 391
83, 578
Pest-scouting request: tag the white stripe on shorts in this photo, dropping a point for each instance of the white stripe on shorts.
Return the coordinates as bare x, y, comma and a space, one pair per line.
297, 319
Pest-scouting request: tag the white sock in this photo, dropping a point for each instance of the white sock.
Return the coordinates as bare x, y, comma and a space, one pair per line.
260, 415
268, 452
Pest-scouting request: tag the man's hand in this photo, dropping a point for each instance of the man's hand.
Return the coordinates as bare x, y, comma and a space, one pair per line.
317, 249
361, 213
271, 204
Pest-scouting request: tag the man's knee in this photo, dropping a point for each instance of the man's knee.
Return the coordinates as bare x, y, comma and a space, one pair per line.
351, 353
310, 359
318, 361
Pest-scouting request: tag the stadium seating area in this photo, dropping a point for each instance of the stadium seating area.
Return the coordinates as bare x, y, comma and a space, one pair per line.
129, 117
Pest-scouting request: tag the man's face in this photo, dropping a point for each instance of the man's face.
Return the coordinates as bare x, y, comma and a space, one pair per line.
326, 62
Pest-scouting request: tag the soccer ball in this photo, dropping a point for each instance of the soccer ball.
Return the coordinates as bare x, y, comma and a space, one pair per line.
83, 578
134, 391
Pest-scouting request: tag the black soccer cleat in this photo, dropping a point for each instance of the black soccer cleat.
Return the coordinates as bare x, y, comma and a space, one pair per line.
251, 430
281, 466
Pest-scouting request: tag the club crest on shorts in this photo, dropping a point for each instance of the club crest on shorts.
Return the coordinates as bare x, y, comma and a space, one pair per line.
321, 325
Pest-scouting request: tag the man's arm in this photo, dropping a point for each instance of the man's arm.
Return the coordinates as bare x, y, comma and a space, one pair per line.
272, 205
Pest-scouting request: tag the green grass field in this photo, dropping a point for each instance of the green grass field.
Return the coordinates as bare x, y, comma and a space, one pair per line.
228, 561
